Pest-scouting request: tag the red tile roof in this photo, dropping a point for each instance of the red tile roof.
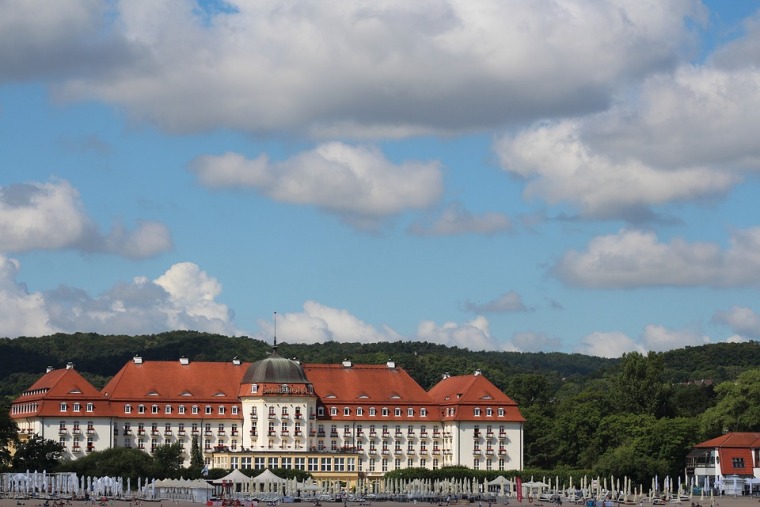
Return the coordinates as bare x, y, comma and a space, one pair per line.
59, 385
171, 382
748, 440
369, 384
465, 393
735, 461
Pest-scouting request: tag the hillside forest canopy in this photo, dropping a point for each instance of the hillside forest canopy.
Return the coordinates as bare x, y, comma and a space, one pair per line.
636, 416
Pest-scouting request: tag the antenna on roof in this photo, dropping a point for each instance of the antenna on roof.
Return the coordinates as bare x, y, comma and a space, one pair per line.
274, 347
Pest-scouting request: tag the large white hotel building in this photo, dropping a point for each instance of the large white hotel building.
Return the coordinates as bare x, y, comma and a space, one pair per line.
336, 421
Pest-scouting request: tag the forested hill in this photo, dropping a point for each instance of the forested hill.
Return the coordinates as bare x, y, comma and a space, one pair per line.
98, 357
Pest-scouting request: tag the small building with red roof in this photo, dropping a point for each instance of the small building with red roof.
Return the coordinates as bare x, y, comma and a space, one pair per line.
726, 462
336, 421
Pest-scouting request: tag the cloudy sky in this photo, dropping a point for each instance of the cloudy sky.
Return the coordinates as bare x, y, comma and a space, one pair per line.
552, 175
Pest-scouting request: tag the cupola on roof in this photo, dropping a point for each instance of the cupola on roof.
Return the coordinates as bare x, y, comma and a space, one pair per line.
275, 369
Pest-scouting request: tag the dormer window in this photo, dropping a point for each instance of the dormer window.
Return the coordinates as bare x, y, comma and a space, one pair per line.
209, 410
254, 388
423, 412
346, 411
168, 409
321, 411
234, 410
154, 409
90, 407
284, 389
140, 409
127, 409
222, 409
333, 411
77, 407
410, 412
385, 412
64, 407
359, 411
397, 412
372, 412
194, 410
489, 412
501, 412
181, 409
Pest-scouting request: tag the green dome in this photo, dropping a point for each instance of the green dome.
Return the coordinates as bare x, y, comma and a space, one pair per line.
275, 369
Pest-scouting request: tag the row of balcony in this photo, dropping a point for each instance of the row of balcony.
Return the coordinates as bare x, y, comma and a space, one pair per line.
297, 417
75, 431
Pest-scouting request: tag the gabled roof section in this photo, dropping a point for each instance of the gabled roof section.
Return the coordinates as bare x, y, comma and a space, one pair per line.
64, 383
174, 381
734, 461
466, 393
372, 384
748, 440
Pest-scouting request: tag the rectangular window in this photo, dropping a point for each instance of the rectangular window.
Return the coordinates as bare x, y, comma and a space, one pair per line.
209, 410
384, 465
372, 412
245, 463
489, 412
300, 463
351, 467
195, 409
140, 409
346, 411
737, 462
313, 464
259, 463
127, 409
222, 410
410, 412
385, 412
423, 412
359, 411
181, 409
234, 410
233, 462
90, 407
287, 463
501, 412
397, 412
154, 409
333, 411
77, 407
64, 407
340, 464
273, 462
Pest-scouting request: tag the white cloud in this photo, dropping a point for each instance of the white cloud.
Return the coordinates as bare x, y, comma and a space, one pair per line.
357, 183
659, 338
531, 341
319, 323
43, 40
21, 313
508, 302
560, 168
608, 344
182, 298
361, 68
50, 216
742, 320
473, 335
633, 258
456, 220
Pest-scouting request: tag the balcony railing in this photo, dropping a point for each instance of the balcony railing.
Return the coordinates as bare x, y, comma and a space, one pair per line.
76, 448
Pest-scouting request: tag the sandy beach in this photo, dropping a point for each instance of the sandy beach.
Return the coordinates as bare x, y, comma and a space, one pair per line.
725, 501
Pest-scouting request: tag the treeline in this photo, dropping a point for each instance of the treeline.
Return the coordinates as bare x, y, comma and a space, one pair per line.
636, 416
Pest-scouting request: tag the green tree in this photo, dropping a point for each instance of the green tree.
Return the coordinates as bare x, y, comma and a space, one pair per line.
116, 462
196, 458
168, 460
638, 387
8, 437
37, 454
737, 408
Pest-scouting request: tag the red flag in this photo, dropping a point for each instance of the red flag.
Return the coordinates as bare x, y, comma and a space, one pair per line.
518, 485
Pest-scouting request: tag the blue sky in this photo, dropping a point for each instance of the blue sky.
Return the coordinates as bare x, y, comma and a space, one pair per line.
569, 175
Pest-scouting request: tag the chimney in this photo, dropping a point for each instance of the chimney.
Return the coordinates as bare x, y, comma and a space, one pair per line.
49, 369
184, 360
137, 360
477, 372
236, 361
391, 363
445, 375
347, 363
69, 365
